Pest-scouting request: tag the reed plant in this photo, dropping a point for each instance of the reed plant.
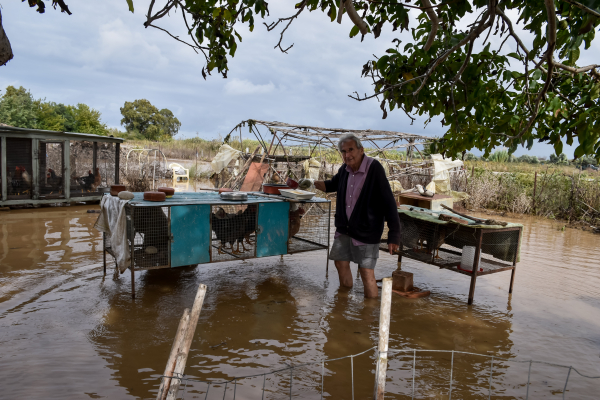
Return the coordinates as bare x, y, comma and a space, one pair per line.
555, 193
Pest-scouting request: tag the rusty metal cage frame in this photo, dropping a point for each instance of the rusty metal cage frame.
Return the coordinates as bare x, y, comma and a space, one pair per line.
442, 246
308, 237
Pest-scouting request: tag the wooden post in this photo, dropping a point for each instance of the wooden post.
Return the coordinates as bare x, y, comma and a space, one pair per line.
35, 169
67, 169
534, 193
186, 342
475, 267
3, 172
166, 381
117, 162
384, 335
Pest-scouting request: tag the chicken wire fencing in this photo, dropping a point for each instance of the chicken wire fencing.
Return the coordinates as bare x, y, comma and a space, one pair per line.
19, 168
51, 169
453, 246
92, 165
158, 238
410, 374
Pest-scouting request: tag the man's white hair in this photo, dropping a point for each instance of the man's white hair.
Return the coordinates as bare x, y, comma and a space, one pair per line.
349, 136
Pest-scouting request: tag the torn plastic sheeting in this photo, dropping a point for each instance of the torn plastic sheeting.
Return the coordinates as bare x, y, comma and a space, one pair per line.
441, 176
311, 168
223, 158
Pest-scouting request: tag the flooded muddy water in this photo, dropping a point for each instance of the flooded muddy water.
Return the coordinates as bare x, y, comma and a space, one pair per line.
68, 332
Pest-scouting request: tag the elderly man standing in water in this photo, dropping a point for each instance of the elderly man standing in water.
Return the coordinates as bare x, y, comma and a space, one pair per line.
364, 201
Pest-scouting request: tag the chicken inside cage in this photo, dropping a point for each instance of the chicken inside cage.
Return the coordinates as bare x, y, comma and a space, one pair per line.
235, 228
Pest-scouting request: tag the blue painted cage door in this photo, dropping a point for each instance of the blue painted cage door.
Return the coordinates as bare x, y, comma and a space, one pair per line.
272, 229
191, 235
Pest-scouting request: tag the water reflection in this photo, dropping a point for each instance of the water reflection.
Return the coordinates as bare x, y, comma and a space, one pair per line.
74, 333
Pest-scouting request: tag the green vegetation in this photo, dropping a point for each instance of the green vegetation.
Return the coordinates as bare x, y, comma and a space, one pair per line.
19, 108
559, 194
141, 118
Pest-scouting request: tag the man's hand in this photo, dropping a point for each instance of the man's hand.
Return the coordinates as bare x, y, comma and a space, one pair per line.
393, 247
320, 185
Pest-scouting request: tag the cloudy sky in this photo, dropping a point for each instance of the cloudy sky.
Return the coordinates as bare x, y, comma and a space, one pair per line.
103, 56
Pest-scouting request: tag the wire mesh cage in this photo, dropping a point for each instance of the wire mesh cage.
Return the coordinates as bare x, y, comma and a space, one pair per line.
173, 234
19, 168
51, 170
454, 246
92, 165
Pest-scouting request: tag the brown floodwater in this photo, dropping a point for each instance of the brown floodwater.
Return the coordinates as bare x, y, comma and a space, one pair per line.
68, 332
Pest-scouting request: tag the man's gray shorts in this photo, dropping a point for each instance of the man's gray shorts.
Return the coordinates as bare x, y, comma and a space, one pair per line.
364, 255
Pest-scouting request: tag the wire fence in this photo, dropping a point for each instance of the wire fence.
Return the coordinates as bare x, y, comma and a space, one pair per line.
188, 382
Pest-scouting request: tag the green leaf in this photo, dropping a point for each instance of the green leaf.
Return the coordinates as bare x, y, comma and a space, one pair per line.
354, 31
514, 55
130, 4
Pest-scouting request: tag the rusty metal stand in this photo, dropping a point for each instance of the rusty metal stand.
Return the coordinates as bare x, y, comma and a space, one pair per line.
131, 266
104, 251
475, 267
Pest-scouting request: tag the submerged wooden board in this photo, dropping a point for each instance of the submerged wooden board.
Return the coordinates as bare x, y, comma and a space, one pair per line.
190, 228
272, 230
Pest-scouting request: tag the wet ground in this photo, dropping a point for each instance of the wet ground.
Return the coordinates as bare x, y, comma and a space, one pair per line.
68, 332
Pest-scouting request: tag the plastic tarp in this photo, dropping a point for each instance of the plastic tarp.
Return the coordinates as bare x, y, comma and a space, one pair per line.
441, 176
223, 158
396, 186
311, 168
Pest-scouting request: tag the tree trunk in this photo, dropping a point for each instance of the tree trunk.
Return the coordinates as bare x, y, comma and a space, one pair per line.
6, 53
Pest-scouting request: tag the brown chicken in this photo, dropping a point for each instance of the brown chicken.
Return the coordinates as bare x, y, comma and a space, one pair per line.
294, 223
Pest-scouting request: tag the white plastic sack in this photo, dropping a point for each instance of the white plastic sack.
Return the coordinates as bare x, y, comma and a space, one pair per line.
311, 168
396, 186
223, 158
441, 176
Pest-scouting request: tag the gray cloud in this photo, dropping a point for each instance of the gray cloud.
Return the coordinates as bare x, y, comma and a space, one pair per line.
103, 56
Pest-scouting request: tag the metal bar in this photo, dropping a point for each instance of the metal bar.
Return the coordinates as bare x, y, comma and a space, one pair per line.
352, 374
104, 250
67, 169
328, 240
512, 275
475, 267
451, 370
234, 387
264, 381
117, 162
3, 172
131, 265
291, 380
491, 372
414, 369
322, 377
207, 389
566, 382
528, 377
225, 391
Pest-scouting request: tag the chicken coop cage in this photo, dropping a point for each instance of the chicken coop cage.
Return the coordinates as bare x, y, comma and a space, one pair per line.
466, 247
198, 228
39, 167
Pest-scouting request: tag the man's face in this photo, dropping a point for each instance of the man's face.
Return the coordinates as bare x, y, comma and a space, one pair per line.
352, 155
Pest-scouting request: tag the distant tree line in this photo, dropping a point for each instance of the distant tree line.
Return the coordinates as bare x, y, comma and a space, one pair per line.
503, 156
141, 119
